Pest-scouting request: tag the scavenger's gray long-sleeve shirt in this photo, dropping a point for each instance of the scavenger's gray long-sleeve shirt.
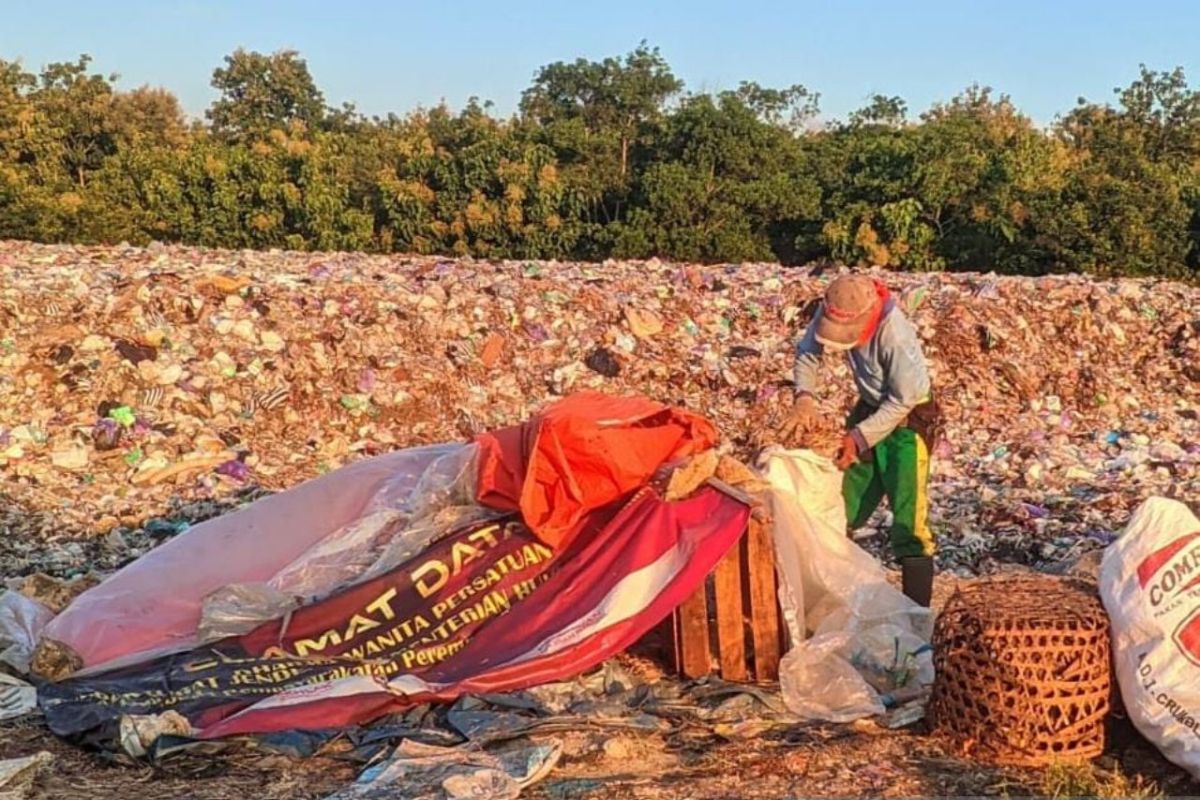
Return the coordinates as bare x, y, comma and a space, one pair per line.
889, 372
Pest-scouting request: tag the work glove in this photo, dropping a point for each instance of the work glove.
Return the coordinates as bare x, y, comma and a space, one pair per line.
848, 453
803, 418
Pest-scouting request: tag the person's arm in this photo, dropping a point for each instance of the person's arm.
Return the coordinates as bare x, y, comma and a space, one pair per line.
907, 387
807, 368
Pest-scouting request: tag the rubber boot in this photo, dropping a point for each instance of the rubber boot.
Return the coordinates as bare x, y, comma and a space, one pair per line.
916, 575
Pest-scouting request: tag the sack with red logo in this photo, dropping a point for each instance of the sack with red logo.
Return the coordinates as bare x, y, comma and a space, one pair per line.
1150, 584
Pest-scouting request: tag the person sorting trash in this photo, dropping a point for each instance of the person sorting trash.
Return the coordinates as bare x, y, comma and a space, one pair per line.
885, 449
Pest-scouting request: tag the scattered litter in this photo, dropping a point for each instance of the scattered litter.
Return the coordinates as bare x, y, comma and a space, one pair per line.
17, 698
425, 772
55, 593
22, 620
223, 376
18, 774
138, 733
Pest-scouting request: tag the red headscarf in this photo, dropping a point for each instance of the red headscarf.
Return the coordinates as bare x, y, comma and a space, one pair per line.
883, 295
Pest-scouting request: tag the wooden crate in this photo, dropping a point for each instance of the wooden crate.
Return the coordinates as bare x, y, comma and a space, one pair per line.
744, 624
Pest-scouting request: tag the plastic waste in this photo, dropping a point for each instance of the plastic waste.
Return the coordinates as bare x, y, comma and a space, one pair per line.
322, 536
138, 732
22, 621
17, 698
426, 772
18, 774
254, 351
854, 638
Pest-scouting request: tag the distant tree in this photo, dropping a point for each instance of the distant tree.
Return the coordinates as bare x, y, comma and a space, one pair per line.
791, 107
148, 116
1166, 111
595, 115
1131, 203
728, 182
881, 110
260, 93
606, 158
75, 119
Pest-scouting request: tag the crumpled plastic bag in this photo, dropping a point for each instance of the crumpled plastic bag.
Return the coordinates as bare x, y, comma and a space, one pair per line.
855, 638
139, 732
18, 774
424, 772
17, 698
239, 608
407, 513
22, 620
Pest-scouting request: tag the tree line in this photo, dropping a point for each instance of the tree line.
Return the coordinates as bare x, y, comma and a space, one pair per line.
609, 159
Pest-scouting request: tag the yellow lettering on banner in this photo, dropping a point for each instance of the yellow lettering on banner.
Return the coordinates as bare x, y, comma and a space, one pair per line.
526, 587
263, 675
440, 608
430, 576
359, 624
383, 604
536, 553
487, 535
433, 575
305, 646
461, 554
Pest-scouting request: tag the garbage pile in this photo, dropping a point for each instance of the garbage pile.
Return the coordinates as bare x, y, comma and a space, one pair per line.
131, 378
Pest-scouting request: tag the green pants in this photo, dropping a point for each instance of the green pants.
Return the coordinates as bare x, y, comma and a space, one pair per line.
898, 468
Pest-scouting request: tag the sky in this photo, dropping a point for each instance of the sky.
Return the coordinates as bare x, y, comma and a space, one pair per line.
395, 56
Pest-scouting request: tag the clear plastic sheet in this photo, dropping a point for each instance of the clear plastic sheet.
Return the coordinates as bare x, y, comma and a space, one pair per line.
408, 513
306, 542
397, 516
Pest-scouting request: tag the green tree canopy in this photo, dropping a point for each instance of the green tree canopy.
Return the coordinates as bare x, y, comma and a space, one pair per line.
609, 158
260, 93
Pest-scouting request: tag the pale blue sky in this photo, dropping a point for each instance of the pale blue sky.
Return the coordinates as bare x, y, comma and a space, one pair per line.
394, 56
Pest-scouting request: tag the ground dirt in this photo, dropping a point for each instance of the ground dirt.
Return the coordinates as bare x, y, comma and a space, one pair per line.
862, 759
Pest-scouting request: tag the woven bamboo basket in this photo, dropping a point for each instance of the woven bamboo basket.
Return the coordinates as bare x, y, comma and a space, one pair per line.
1023, 672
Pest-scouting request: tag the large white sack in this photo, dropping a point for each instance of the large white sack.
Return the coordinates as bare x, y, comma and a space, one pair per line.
854, 636
1150, 584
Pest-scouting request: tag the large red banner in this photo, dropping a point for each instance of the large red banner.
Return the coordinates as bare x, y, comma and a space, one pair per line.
487, 608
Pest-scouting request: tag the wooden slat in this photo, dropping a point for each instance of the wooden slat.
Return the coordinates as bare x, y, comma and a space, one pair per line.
764, 609
731, 632
694, 658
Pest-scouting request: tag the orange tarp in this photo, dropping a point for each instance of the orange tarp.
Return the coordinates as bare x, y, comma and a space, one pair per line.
580, 454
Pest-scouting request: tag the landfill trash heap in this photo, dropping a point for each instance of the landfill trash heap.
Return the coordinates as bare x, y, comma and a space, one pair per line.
131, 378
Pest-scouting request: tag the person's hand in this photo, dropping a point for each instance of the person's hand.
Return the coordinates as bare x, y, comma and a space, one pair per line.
803, 418
848, 453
